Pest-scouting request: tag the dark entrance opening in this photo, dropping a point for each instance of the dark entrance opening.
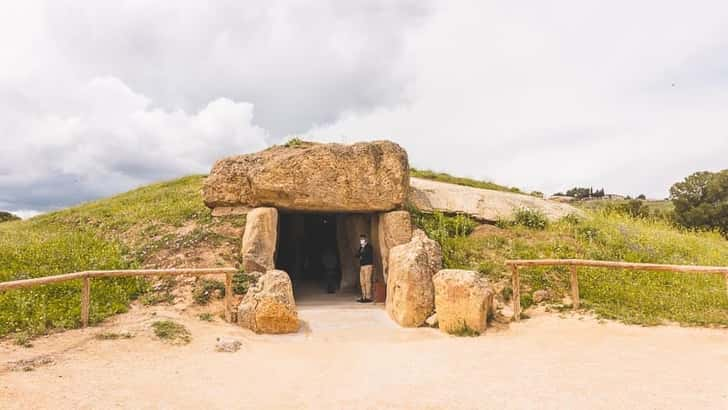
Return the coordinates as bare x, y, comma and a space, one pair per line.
308, 251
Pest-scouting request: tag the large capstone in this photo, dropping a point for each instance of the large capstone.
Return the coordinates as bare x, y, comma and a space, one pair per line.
410, 293
363, 177
463, 300
269, 307
259, 240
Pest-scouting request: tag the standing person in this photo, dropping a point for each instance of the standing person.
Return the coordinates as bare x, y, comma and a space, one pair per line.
365, 271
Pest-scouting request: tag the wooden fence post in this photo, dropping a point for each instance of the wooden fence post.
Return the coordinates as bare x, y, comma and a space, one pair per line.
574, 288
85, 300
229, 297
516, 285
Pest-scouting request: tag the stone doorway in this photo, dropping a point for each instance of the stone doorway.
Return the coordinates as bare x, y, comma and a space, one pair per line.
307, 241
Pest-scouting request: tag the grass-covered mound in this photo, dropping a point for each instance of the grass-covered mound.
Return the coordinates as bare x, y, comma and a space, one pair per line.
160, 225
450, 179
631, 296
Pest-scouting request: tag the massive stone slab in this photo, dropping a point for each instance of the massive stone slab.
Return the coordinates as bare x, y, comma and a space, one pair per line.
269, 306
482, 204
410, 293
462, 298
363, 177
259, 240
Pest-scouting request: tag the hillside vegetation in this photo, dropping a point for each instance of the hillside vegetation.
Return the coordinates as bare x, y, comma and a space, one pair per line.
646, 298
474, 183
167, 225
157, 226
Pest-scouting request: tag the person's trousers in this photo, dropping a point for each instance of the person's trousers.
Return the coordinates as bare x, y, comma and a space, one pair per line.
365, 278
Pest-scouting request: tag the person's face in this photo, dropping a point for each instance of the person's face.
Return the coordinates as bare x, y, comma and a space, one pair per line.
363, 241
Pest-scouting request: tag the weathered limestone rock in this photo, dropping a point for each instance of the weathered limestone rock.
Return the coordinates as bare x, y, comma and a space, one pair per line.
269, 307
462, 298
227, 344
410, 293
481, 204
394, 228
259, 240
363, 177
541, 296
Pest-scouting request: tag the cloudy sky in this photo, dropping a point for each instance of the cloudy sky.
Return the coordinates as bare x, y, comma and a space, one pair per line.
100, 97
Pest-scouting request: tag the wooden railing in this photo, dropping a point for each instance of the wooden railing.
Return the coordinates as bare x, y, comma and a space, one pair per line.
574, 279
86, 277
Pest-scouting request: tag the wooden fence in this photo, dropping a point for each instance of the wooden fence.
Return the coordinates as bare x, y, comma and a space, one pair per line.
574, 279
86, 277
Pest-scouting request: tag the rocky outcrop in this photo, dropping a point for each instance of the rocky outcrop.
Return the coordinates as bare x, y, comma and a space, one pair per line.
410, 293
393, 228
269, 307
259, 240
482, 204
363, 177
462, 299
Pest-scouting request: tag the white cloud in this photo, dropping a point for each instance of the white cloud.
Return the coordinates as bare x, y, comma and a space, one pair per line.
546, 95
99, 97
113, 139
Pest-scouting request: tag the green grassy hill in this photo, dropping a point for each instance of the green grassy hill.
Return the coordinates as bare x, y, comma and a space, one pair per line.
167, 225
646, 298
158, 226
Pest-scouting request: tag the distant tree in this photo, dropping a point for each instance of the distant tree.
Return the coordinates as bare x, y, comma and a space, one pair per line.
641, 196
7, 216
599, 193
635, 208
701, 201
579, 192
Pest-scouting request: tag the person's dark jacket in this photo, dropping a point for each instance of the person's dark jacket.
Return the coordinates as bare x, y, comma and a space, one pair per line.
365, 255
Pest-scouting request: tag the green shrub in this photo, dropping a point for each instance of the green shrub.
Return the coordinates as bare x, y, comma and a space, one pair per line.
205, 288
439, 226
7, 216
205, 317
171, 332
530, 218
294, 143
22, 339
242, 282
701, 201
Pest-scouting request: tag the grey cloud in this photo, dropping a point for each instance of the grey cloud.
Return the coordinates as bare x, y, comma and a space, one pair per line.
299, 63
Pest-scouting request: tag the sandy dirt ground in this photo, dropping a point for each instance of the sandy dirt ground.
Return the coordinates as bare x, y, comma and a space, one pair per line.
352, 356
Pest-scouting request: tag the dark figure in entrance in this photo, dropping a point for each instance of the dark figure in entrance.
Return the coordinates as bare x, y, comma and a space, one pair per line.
328, 260
366, 259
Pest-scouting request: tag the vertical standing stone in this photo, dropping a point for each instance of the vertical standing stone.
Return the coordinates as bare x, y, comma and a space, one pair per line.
410, 293
394, 228
259, 240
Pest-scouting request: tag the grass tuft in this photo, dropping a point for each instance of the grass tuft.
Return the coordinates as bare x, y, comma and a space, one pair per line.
205, 289
171, 332
464, 331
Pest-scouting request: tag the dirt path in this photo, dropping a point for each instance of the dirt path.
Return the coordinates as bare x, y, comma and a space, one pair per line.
349, 356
